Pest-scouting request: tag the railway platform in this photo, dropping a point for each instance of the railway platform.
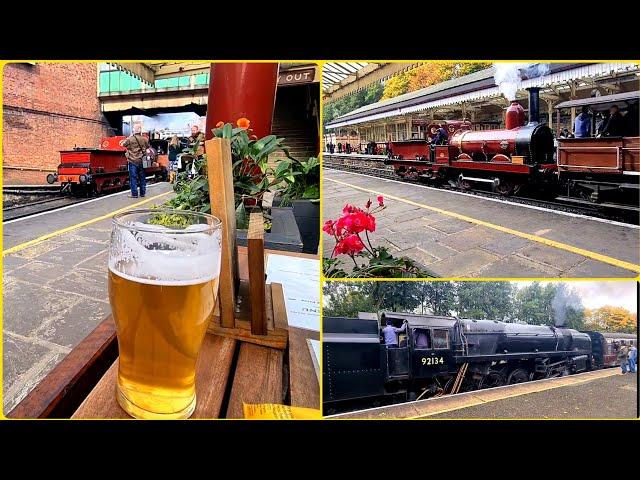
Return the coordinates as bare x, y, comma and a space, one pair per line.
460, 235
597, 395
55, 283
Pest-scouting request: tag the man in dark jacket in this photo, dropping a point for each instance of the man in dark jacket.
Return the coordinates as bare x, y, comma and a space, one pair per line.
582, 124
136, 146
615, 126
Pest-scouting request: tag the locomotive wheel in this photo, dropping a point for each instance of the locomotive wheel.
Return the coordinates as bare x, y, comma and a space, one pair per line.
505, 188
519, 375
492, 379
464, 185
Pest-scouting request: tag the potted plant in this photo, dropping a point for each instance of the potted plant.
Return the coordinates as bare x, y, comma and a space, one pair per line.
253, 178
304, 195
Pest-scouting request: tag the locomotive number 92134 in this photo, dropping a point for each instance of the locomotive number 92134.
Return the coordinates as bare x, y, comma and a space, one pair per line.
432, 361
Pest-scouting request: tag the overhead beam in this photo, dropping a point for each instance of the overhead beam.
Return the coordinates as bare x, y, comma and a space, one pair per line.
370, 74
139, 70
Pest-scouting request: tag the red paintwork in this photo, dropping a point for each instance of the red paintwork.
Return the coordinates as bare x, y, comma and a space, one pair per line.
107, 166
503, 167
112, 143
239, 90
514, 116
606, 155
489, 142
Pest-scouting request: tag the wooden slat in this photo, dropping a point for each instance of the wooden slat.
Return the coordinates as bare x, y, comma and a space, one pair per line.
255, 247
258, 378
303, 382
279, 307
220, 177
63, 389
212, 373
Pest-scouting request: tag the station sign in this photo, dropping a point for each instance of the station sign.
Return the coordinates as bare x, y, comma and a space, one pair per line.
294, 77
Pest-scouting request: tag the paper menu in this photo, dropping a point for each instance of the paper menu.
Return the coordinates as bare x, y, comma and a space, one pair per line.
300, 279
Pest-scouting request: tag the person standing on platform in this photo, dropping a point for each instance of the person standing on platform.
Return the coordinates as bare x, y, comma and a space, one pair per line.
136, 146
174, 149
623, 358
633, 359
582, 124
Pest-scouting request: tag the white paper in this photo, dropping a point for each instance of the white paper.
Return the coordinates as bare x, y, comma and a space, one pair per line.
300, 279
315, 351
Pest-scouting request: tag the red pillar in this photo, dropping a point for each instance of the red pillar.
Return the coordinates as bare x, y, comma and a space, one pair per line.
239, 90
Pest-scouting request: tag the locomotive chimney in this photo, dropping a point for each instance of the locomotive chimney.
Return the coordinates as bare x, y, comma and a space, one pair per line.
534, 104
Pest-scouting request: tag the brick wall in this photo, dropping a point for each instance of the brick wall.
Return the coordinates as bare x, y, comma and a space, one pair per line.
47, 108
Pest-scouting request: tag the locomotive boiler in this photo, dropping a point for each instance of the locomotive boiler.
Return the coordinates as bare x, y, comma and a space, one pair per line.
506, 159
439, 355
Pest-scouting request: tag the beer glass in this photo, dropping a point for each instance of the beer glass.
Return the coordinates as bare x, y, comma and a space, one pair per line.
164, 267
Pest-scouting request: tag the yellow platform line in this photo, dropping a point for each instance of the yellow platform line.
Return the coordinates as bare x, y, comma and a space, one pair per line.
534, 238
41, 239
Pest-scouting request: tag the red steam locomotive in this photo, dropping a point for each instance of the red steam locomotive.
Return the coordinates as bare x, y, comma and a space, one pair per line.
523, 154
87, 171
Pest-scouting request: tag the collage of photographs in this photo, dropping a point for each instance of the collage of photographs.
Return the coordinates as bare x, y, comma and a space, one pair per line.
320, 240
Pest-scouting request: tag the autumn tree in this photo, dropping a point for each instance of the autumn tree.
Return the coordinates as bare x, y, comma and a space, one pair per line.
397, 85
611, 319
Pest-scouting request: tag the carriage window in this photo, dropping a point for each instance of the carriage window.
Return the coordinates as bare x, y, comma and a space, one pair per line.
421, 338
440, 339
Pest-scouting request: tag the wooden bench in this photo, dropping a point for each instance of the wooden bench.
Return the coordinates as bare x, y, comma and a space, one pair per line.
228, 373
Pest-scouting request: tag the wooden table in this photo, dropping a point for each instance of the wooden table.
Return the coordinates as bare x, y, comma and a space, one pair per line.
228, 373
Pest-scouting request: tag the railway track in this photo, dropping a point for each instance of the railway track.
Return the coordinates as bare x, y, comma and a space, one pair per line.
40, 206
621, 215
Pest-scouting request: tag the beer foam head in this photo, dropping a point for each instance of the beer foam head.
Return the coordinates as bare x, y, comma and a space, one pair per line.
158, 255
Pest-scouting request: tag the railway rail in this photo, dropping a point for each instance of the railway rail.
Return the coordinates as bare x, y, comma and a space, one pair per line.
609, 213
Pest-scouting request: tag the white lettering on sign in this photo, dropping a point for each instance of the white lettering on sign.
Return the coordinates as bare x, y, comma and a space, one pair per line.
297, 76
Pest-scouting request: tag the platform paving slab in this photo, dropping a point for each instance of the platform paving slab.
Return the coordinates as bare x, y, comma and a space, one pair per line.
609, 397
499, 254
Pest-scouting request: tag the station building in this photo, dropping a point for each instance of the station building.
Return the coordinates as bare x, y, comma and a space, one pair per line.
477, 98
48, 107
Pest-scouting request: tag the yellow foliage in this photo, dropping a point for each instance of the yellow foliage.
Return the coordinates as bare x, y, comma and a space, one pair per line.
427, 75
611, 319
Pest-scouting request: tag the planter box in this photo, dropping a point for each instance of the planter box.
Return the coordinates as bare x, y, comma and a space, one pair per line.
307, 214
284, 234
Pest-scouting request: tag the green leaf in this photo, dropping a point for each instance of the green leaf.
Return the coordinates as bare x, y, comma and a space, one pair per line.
227, 131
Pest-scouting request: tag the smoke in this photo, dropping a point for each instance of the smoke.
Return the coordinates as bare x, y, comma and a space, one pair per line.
564, 300
507, 76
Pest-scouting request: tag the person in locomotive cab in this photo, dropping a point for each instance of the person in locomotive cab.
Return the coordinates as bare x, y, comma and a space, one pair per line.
615, 126
390, 334
582, 124
441, 137
137, 146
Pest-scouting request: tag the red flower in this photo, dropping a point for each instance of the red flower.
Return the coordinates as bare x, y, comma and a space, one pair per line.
349, 245
348, 209
220, 124
380, 200
371, 223
329, 227
355, 222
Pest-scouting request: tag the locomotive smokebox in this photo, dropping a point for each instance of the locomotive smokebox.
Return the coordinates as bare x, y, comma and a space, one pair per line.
514, 116
534, 104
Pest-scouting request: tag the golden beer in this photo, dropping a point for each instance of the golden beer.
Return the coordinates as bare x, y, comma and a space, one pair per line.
162, 300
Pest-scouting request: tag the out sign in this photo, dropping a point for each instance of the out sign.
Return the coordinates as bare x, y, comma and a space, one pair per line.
297, 76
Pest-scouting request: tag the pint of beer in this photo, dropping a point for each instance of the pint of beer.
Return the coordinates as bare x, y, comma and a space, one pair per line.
163, 285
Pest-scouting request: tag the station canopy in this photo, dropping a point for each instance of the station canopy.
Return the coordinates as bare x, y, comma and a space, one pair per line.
480, 87
335, 74
149, 72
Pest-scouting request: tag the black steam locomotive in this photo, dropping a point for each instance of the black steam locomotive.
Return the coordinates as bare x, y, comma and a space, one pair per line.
442, 355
